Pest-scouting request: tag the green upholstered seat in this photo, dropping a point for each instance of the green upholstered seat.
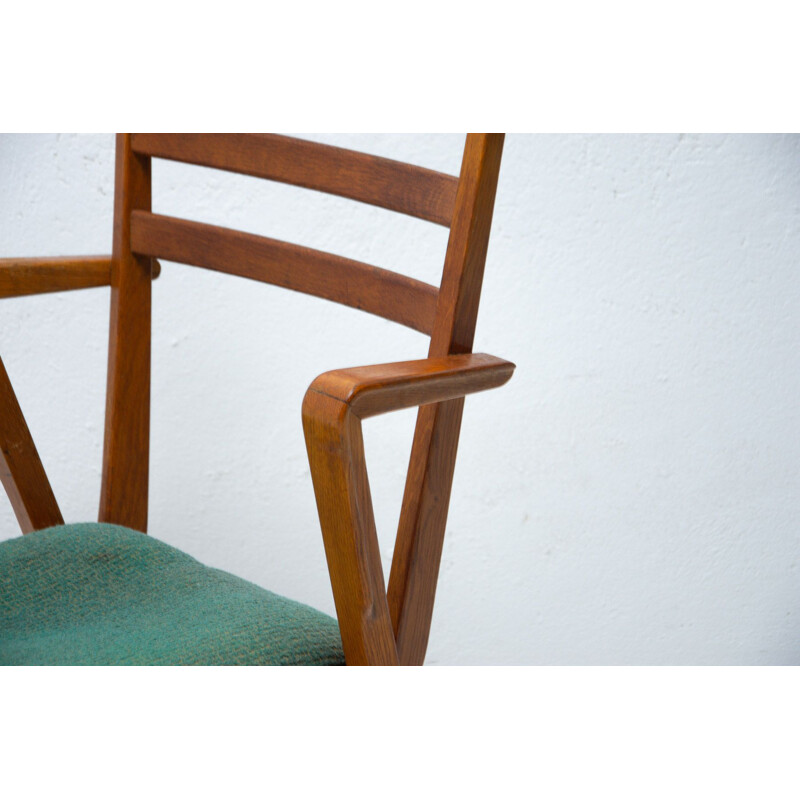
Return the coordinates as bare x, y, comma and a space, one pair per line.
103, 594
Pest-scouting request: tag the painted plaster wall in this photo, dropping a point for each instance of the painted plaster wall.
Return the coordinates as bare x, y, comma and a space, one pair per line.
631, 497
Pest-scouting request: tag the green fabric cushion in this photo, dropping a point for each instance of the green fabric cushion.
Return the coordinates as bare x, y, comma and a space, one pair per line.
103, 594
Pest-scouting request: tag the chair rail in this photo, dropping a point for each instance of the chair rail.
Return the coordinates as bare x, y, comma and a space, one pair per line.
352, 283
382, 182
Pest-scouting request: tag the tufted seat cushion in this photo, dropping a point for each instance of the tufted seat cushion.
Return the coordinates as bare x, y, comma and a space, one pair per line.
102, 594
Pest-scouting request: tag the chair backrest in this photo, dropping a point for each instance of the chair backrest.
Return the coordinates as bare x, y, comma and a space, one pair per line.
447, 314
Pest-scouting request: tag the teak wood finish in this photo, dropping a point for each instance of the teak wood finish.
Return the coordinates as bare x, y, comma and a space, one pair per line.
379, 291
26, 276
377, 627
21, 470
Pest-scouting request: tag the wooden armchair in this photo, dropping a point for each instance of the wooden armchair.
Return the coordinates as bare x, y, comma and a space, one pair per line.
148, 603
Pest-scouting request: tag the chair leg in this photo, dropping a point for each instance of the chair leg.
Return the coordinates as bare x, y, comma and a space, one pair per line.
21, 470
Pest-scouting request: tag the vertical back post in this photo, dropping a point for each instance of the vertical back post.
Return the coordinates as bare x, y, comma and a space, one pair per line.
126, 452
423, 517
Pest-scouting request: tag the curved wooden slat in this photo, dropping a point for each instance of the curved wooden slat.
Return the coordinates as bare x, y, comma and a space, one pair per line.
378, 291
26, 276
406, 188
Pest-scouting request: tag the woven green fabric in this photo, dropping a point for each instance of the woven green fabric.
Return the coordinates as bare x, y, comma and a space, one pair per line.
103, 594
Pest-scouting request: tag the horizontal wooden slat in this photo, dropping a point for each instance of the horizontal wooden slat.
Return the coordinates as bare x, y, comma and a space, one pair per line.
26, 276
406, 188
378, 291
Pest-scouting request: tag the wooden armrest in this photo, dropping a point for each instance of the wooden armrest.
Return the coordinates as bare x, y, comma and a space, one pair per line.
27, 276
333, 408
368, 391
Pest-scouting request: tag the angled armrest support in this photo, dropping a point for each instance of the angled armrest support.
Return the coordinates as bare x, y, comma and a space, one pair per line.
21, 470
27, 276
333, 408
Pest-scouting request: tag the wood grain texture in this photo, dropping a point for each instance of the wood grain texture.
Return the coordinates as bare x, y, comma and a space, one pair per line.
20, 277
342, 280
380, 388
377, 627
395, 185
465, 259
336, 456
423, 516
21, 470
27, 276
126, 451
333, 408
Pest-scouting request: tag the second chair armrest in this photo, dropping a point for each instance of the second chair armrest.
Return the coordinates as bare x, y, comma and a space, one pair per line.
333, 408
377, 389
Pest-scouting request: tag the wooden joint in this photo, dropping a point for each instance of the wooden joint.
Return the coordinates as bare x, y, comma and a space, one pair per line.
21, 277
333, 408
336, 457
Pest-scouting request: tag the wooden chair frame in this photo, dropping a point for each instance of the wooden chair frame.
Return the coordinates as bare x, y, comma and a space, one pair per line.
377, 626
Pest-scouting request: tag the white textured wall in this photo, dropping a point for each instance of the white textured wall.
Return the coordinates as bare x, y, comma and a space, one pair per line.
631, 497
